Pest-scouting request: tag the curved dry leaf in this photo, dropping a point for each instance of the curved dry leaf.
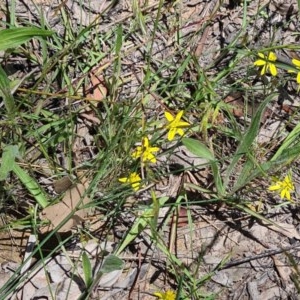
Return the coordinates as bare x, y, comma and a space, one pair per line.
287, 230
97, 91
56, 213
109, 279
283, 269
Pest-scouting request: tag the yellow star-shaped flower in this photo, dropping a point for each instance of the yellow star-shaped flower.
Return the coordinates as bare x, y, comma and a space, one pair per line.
296, 62
284, 188
145, 152
175, 125
134, 179
168, 295
267, 63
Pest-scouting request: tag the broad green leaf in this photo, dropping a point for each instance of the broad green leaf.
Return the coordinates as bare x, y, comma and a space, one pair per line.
8, 159
14, 37
198, 148
111, 263
87, 269
32, 186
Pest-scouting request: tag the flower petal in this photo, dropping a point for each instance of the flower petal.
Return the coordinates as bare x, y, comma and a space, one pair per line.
178, 116
171, 134
145, 142
273, 69
263, 70
180, 131
274, 187
272, 56
124, 179
260, 54
298, 78
151, 158
154, 149
137, 153
159, 295
183, 124
296, 62
282, 193
136, 186
169, 116
259, 62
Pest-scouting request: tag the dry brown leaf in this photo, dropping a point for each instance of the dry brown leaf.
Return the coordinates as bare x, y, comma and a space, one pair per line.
97, 91
56, 213
237, 102
287, 230
62, 184
283, 269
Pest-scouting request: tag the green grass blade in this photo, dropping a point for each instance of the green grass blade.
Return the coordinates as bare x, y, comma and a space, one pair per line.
218, 179
249, 172
87, 269
6, 94
289, 140
140, 225
202, 151
32, 186
14, 37
247, 140
8, 159
119, 40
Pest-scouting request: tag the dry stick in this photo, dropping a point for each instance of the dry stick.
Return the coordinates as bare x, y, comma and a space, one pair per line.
262, 255
200, 45
139, 266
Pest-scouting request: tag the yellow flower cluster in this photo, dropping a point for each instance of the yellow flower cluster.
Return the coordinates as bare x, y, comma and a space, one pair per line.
284, 188
267, 62
168, 295
146, 152
175, 125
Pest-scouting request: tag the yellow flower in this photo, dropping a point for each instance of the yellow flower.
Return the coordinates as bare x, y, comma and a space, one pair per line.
284, 187
175, 125
134, 179
266, 62
145, 152
168, 295
296, 62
